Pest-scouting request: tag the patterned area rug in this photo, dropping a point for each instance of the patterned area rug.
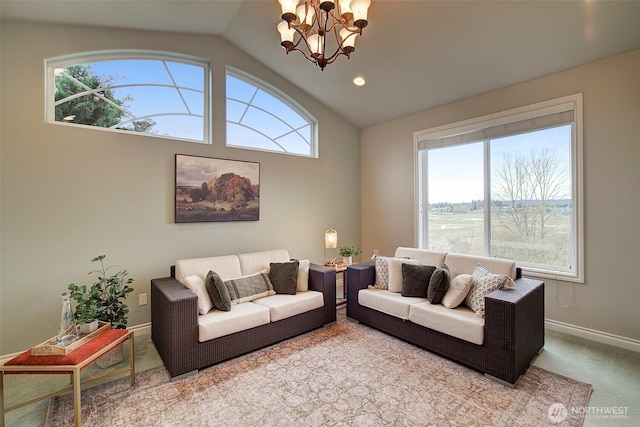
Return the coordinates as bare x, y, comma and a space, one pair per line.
342, 375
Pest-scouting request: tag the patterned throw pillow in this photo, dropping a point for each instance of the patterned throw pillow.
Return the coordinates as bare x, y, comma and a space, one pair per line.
438, 284
248, 288
382, 272
483, 283
197, 286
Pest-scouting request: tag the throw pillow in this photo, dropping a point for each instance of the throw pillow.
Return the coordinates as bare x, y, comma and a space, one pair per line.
438, 284
415, 280
483, 283
458, 290
303, 275
196, 285
248, 288
284, 277
218, 291
382, 272
395, 272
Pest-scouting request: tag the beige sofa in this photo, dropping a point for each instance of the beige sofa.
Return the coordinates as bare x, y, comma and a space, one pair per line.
189, 334
501, 344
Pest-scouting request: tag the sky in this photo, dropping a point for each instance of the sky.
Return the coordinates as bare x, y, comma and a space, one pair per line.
192, 171
461, 167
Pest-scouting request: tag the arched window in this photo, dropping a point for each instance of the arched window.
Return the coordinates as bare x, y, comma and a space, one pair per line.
157, 94
262, 118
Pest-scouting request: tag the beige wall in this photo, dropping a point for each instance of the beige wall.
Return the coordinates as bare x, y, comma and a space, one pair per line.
69, 194
608, 301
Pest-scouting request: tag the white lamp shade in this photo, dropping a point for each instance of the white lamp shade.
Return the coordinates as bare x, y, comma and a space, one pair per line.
360, 8
348, 38
345, 7
286, 33
316, 44
305, 14
331, 239
288, 6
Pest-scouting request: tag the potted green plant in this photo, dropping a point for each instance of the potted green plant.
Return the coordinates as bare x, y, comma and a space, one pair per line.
86, 316
347, 253
107, 293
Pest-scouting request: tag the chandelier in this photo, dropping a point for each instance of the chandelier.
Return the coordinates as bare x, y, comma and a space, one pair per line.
306, 27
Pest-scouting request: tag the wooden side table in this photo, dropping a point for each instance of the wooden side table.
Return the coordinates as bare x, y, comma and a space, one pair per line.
72, 364
342, 269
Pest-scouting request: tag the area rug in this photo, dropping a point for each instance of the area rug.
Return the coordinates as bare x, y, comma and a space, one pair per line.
345, 374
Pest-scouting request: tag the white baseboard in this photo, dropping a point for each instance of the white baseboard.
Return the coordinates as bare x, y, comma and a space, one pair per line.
594, 335
143, 328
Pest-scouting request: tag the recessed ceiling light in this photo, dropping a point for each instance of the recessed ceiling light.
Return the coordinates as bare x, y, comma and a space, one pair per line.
359, 81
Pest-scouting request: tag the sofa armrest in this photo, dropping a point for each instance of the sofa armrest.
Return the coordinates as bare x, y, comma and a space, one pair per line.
514, 320
323, 279
359, 276
174, 321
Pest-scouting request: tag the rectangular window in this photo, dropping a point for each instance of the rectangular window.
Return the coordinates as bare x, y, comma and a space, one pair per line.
507, 185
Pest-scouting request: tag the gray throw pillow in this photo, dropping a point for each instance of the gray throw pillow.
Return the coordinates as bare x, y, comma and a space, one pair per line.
218, 291
248, 288
439, 284
415, 280
284, 277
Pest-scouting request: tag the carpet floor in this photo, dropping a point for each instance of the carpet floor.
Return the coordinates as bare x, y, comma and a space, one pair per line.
345, 374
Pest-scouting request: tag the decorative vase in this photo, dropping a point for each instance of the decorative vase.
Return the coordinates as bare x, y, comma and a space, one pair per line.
114, 357
347, 260
68, 332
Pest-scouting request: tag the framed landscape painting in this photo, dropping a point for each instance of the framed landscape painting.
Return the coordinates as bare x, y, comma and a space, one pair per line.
216, 190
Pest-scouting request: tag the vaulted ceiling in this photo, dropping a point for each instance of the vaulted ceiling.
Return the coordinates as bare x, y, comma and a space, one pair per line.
414, 55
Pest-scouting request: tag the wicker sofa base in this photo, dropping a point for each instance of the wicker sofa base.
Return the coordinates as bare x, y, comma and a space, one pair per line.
174, 325
514, 328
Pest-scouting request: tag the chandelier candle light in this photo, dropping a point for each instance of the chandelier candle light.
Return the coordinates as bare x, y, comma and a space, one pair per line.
316, 20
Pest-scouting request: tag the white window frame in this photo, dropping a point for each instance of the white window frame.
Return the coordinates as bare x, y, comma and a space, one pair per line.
428, 138
281, 96
87, 57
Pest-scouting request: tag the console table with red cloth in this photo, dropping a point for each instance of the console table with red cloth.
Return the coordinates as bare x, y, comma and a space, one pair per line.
72, 363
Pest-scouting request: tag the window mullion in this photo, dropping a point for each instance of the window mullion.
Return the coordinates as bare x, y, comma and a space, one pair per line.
487, 196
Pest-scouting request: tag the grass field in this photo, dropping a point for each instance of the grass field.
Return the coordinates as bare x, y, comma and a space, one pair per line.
464, 233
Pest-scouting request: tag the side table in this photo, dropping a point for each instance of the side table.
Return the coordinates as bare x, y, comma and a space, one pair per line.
72, 364
341, 268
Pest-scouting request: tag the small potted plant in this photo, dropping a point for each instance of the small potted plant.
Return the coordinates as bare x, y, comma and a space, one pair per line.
107, 294
347, 253
87, 316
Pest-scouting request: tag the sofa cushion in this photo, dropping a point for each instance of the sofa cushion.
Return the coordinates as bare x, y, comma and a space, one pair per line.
458, 290
438, 284
395, 272
424, 256
483, 283
283, 306
415, 280
462, 263
461, 322
387, 302
227, 267
196, 284
217, 290
248, 288
218, 323
303, 275
254, 262
284, 277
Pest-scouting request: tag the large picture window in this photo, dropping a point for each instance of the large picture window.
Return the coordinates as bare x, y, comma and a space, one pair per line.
507, 185
261, 118
154, 94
